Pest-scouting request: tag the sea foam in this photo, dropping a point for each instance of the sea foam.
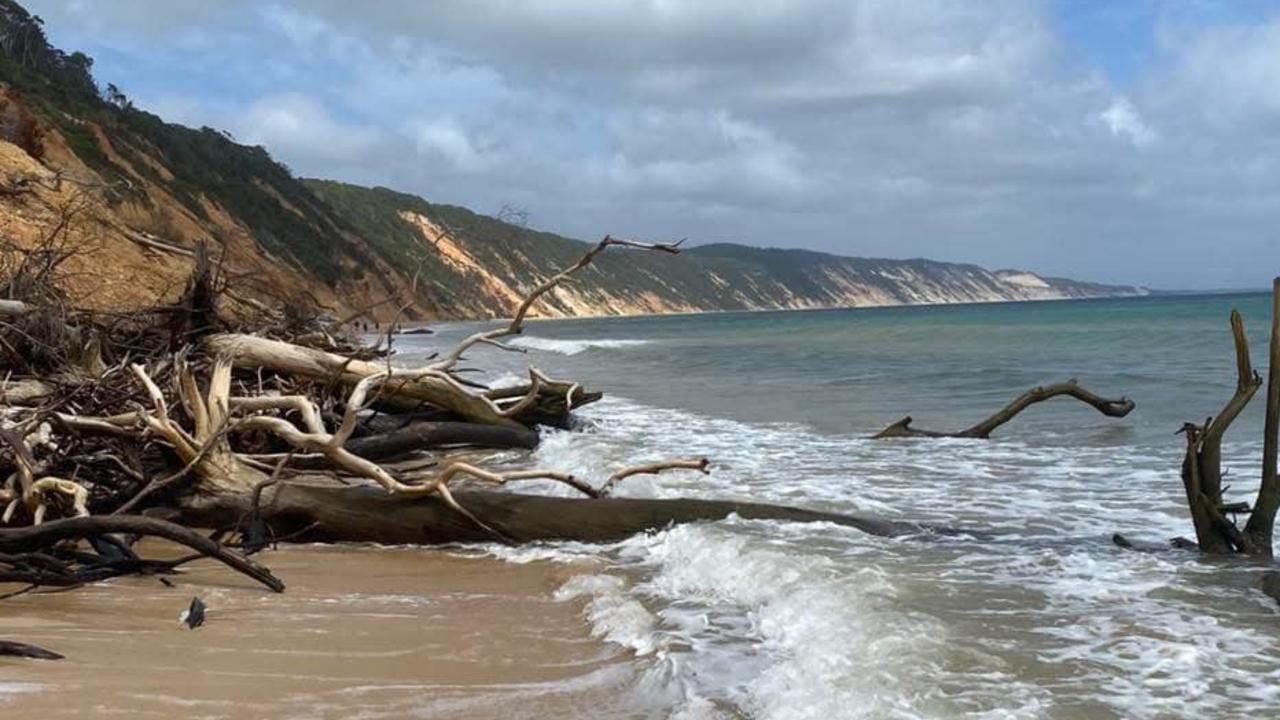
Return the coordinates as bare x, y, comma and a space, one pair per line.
783, 620
572, 347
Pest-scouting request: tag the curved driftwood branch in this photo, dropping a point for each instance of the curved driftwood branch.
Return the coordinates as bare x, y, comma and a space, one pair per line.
1110, 407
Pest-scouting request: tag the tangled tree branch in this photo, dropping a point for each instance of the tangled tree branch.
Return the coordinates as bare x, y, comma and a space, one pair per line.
34, 537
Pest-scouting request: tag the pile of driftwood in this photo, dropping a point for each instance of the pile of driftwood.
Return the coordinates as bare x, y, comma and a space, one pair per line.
259, 426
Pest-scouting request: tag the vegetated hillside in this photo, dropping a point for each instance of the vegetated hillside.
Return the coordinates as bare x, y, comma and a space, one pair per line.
134, 194
473, 265
137, 176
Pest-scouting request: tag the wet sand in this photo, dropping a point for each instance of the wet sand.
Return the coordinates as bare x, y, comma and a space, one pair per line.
360, 633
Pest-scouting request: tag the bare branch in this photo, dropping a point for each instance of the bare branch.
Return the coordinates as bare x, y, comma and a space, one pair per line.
516, 326
1110, 407
1259, 529
702, 465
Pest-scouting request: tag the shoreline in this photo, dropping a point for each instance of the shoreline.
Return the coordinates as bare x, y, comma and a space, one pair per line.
1162, 295
400, 631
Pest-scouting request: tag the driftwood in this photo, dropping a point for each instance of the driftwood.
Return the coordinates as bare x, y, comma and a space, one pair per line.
365, 514
1212, 516
1216, 532
27, 391
1259, 528
34, 537
436, 435
17, 649
13, 308
982, 430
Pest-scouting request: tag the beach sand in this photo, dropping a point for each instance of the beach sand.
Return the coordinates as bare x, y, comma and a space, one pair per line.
361, 632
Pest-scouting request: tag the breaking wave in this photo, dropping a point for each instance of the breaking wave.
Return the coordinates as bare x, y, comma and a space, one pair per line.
572, 347
1039, 617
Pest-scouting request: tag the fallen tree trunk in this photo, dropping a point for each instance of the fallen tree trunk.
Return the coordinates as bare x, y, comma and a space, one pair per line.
982, 430
314, 513
421, 436
433, 435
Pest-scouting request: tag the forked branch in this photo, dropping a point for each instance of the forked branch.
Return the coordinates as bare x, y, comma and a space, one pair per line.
1202, 465
516, 326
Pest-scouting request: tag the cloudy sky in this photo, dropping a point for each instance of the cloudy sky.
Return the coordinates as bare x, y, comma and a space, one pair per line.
1128, 141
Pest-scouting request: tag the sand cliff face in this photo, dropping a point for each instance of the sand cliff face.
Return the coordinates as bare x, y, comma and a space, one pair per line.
471, 265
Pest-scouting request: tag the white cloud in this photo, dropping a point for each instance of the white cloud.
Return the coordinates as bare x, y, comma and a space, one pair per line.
447, 138
1123, 120
293, 124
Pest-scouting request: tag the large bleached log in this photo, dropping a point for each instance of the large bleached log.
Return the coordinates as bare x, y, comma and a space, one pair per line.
249, 351
368, 514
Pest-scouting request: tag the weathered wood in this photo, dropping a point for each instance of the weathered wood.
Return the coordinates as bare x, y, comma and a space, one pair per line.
982, 430
1202, 465
13, 308
1259, 528
16, 649
24, 392
43, 535
1270, 584
367, 514
431, 435
252, 352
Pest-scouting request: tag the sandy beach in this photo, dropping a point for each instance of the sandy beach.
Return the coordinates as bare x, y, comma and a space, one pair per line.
361, 632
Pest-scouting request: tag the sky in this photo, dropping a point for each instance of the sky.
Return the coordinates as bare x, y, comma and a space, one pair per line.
1129, 141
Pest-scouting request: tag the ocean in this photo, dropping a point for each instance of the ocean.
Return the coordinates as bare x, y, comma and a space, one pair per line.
1030, 611
1027, 611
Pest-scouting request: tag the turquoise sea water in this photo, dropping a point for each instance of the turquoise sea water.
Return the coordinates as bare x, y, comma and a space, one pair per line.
1043, 618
